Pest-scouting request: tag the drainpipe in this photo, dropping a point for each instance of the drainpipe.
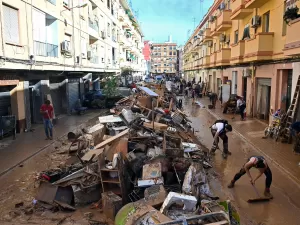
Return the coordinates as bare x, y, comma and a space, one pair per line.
252, 90
2, 34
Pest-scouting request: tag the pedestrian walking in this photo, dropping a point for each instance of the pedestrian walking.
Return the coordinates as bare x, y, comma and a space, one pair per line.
47, 111
219, 130
241, 106
259, 163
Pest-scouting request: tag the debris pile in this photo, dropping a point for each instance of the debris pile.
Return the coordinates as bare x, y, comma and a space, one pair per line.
141, 165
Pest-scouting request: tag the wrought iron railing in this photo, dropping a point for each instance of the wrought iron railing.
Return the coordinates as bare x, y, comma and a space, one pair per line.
45, 49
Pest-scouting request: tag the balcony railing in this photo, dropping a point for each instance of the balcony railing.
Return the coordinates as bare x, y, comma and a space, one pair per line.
292, 41
251, 4
238, 10
45, 49
237, 52
93, 25
223, 21
223, 57
259, 48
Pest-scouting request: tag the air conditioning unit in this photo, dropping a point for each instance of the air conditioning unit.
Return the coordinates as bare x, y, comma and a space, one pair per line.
200, 32
255, 22
222, 6
103, 35
127, 35
66, 46
222, 37
247, 72
211, 18
210, 44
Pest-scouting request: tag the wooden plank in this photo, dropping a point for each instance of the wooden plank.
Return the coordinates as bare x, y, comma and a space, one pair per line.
87, 156
157, 126
109, 140
148, 91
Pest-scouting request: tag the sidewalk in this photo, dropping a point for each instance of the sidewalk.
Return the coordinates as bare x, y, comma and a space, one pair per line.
252, 131
26, 145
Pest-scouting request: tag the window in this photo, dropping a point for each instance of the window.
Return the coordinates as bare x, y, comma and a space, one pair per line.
68, 38
113, 54
246, 33
170, 48
11, 25
266, 22
170, 53
113, 35
174, 53
236, 37
174, 48
108, 29
215, 47
108, 4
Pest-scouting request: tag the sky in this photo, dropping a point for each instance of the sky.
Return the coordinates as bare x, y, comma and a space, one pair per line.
161, 18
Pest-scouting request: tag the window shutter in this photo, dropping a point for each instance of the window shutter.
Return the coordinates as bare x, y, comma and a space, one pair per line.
11, 25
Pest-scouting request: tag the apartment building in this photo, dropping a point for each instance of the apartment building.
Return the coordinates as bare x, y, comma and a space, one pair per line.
248, 45
147, 56
164, 58
59, 49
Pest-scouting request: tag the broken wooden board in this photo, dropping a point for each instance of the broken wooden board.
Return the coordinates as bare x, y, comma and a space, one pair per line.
157, 126
109, 140
87, 156
148, 91
110, 119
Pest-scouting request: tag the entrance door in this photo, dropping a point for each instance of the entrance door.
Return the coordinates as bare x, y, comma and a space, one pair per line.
263, 98
209, 83
245, 88
214, 82
219, 83
234, 83
289, 89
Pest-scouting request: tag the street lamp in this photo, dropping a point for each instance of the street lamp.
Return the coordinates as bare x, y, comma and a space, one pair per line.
78, 6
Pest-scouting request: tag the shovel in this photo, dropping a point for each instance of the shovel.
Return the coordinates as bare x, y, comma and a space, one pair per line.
259, 198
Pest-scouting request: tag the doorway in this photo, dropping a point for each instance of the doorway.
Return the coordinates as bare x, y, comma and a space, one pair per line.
245, 88
214, 89
234, 83
289, 89
209, 83
263, 98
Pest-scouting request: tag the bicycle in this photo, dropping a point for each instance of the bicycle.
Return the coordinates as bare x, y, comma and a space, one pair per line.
274, 129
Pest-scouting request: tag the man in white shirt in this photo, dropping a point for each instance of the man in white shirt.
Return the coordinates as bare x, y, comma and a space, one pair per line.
219, 129
241, 105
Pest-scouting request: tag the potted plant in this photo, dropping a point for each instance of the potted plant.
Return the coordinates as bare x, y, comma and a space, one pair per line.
291, 14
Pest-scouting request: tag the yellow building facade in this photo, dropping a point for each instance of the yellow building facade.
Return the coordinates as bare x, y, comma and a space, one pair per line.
248, 45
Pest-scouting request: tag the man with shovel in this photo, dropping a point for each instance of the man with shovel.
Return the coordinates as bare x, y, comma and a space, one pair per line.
259, 163
47, 112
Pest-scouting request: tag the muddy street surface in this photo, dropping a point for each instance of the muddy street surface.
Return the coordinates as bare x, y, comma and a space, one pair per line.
19, 186
284, 209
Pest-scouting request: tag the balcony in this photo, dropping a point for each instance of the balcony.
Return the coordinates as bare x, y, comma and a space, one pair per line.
223, 21
223, 57
52, 2
292, 41
238, 10
252, 4
45, 49
213, 59
237, 52
259, 48
206, 61
93, 28
207, 35
213, 28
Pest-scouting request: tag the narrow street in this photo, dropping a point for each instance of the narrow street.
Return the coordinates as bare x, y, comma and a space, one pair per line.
282, 210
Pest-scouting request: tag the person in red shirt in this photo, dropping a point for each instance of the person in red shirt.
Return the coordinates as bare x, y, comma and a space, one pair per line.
47, 112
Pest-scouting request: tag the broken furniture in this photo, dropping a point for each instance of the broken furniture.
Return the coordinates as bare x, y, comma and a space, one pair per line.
111, 204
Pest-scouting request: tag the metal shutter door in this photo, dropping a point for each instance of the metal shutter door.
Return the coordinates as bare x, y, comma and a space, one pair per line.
4, 103
73, 95
56, 95
264, 81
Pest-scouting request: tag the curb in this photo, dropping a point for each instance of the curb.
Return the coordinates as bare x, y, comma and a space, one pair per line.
291, 176
41, 149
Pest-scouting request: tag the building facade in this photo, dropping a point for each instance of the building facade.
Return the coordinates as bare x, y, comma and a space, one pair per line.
248, 45
180, 61
164, 58
147, 56
59, 49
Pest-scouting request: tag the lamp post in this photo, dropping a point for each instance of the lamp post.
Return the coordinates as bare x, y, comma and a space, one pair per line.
78, 6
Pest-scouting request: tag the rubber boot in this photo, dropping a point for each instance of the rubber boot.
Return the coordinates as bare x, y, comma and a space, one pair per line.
213, 150
231, 185
268, 194
224, 155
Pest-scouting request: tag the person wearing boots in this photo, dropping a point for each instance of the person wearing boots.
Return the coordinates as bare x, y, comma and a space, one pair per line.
259, 163
219, 130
